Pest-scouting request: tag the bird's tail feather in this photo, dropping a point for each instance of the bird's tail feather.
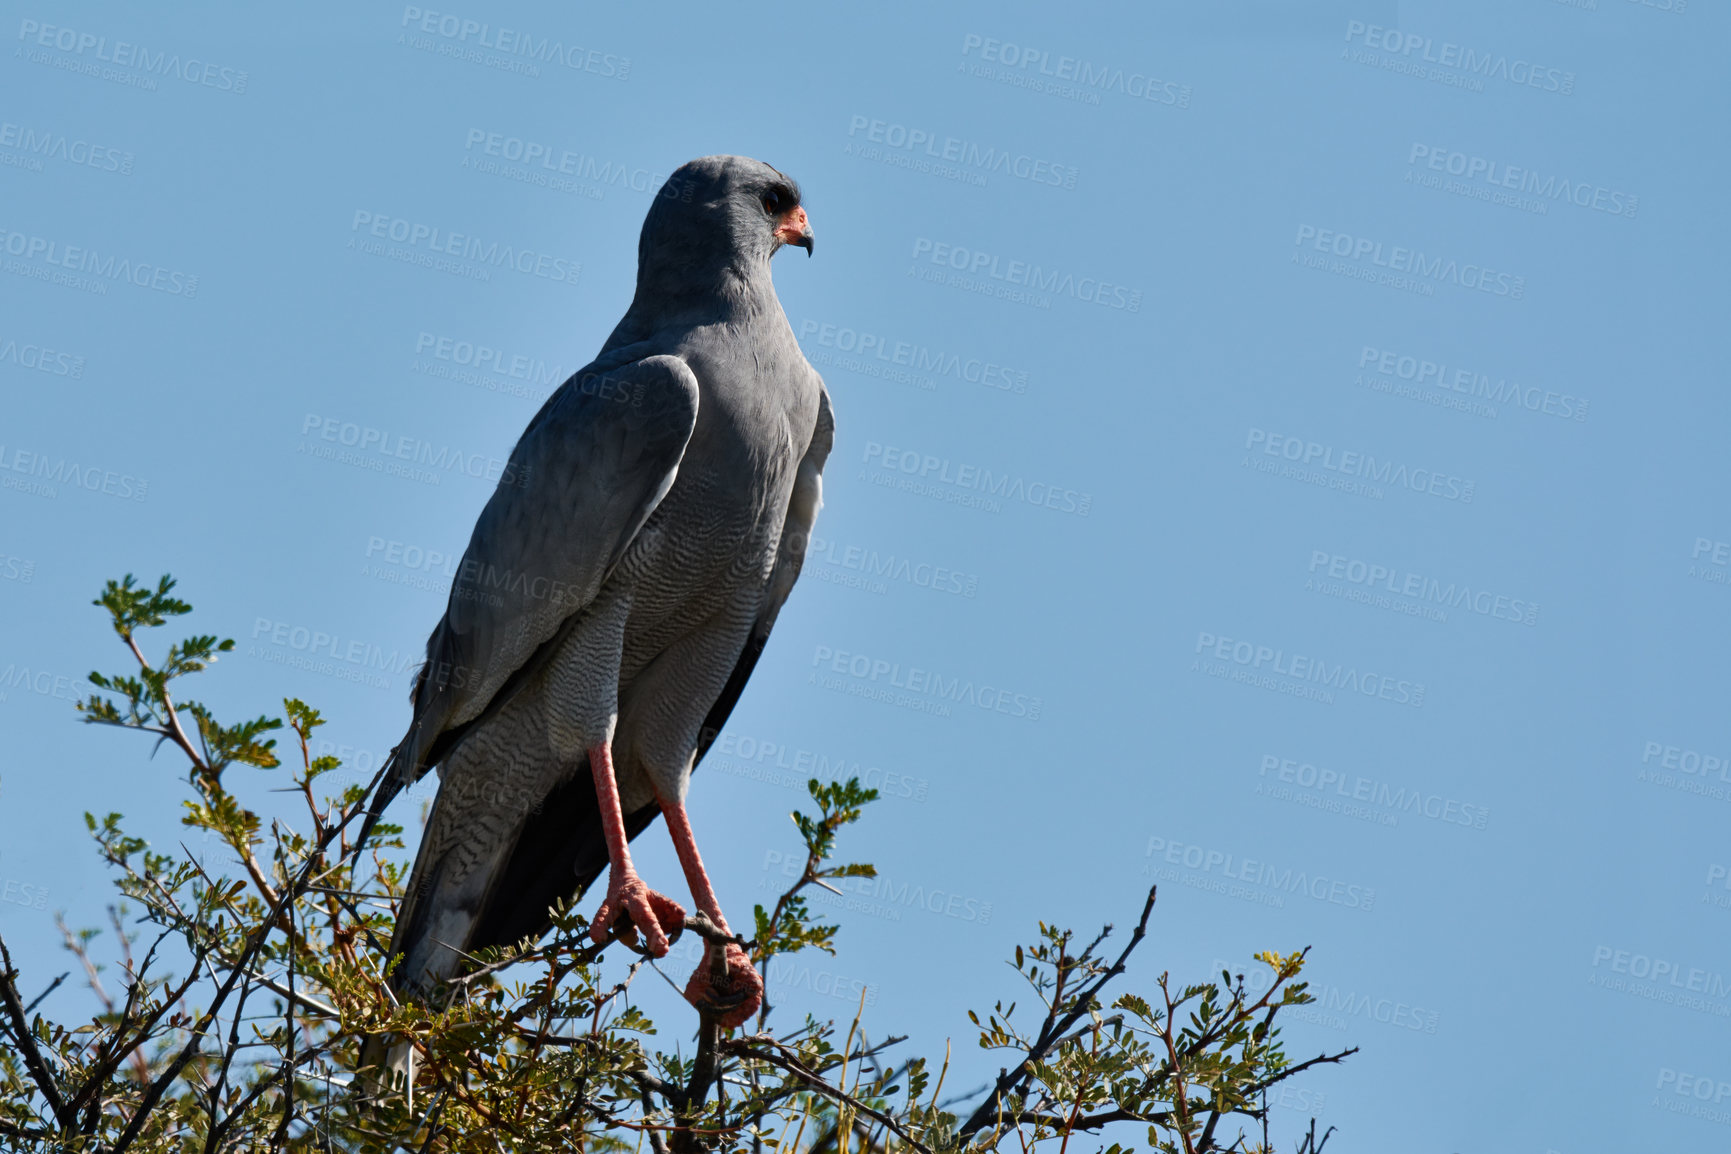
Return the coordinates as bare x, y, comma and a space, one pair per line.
495, 898
401, 769
389, 786
386, 1066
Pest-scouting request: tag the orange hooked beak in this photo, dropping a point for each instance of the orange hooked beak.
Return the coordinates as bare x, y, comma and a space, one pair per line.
795, 228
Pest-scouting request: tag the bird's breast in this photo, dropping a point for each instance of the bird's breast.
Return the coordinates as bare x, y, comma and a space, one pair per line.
708, 550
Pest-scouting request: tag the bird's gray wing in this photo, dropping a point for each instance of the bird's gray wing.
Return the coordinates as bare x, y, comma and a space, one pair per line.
563, 836
586, 474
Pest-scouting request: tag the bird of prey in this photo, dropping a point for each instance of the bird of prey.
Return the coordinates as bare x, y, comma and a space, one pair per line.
615, 595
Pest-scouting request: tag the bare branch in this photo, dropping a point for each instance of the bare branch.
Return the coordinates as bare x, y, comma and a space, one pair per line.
52, 986
785, 1060
19, 1026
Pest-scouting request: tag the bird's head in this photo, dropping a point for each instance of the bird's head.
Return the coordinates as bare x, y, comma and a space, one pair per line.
730, 206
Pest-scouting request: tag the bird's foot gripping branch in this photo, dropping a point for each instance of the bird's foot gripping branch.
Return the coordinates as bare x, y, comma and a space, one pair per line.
252, 970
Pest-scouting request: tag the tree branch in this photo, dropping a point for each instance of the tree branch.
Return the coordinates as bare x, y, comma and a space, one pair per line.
744, 1048
255, 942
1052, 1030
20, 1028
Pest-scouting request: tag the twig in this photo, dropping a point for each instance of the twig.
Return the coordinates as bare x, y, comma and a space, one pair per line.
20, 1028
1289, 1071
301, 996
201, 764
288, 1036
1051, 1031
793, 1066
255, 942
213, 1098
174, 733
36, 1001
97, 1076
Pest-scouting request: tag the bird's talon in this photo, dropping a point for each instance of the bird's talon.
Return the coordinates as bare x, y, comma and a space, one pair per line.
736, 997
632, 908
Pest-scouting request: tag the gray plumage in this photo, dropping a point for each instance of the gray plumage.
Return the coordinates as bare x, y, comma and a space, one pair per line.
622, 579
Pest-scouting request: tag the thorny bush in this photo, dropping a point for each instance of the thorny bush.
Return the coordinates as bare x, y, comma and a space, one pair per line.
249, 976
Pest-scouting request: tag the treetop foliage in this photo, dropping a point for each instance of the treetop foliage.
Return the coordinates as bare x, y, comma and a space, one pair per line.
247, 978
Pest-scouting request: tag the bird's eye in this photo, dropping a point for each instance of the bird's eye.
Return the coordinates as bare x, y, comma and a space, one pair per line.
772, 203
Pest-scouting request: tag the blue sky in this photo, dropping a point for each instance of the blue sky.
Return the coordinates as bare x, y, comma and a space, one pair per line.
1278, 457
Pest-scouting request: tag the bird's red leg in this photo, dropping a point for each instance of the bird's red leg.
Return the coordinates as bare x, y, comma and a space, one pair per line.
738, 997
650, 912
